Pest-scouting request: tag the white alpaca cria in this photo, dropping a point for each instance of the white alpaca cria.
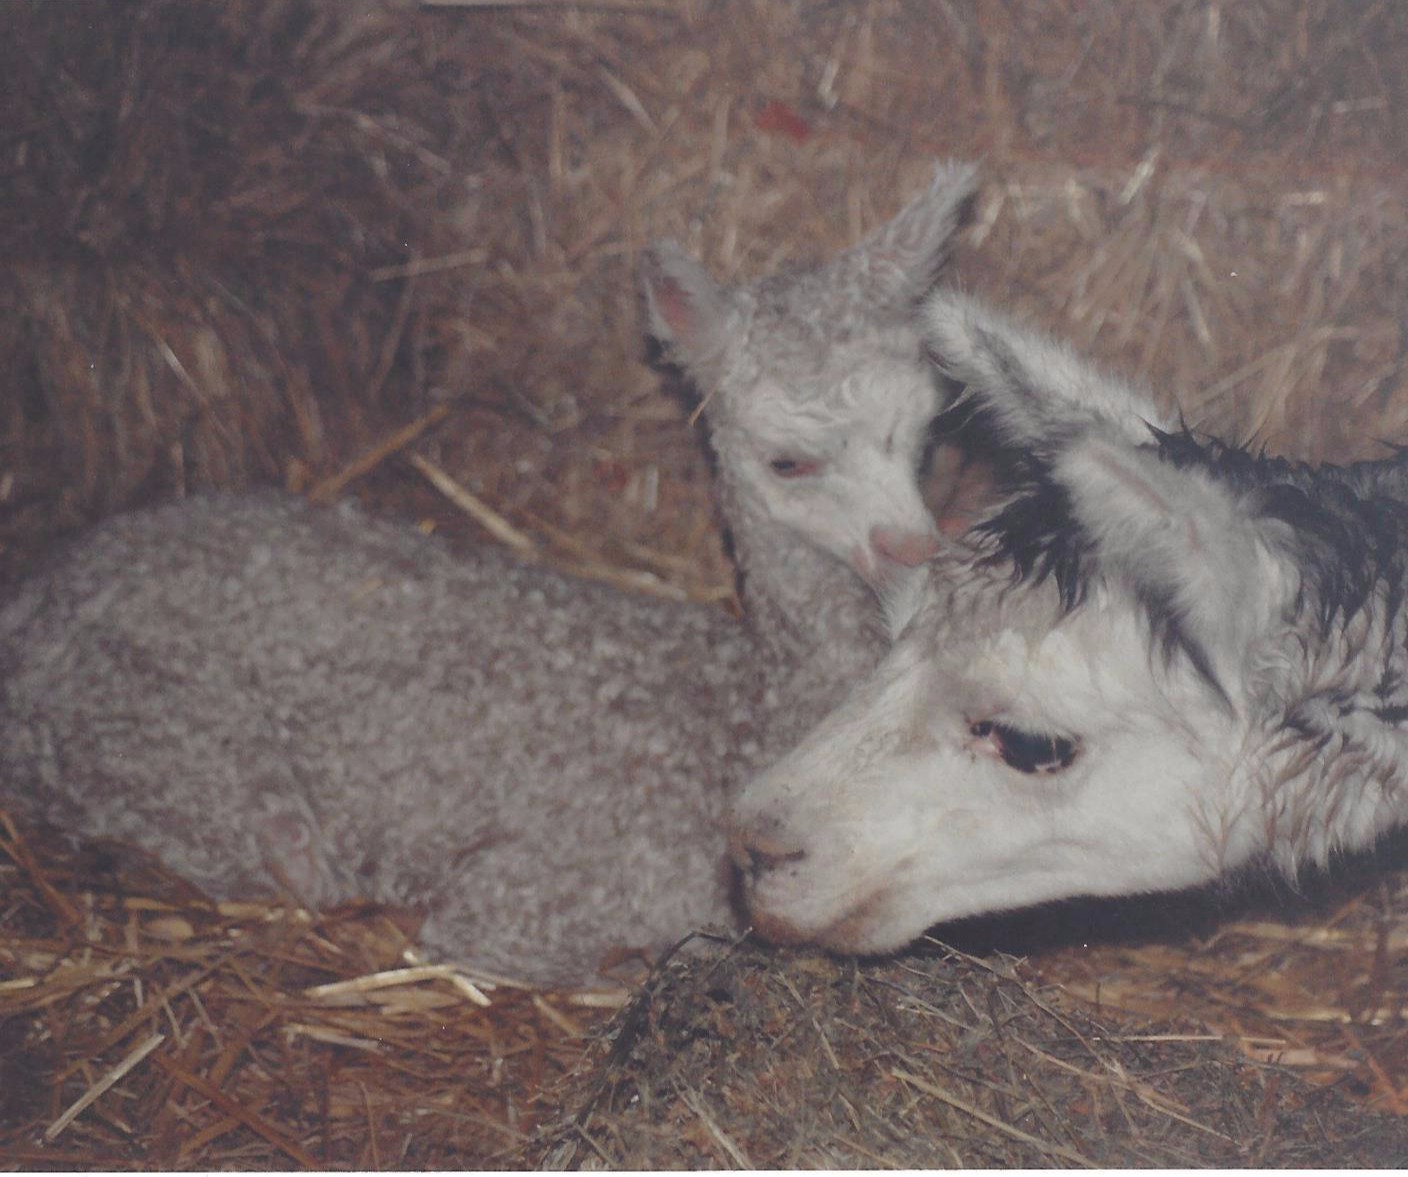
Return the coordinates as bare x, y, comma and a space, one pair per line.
1160, 659
818, 403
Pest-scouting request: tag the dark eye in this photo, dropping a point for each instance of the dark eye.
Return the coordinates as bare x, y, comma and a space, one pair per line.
793, 467
1024, 750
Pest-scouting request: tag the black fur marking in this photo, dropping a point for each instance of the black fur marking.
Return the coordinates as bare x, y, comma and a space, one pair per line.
1389, 691
1303, 728
1035, 530
1166, 623
971, 426
1349, 527
1350, 523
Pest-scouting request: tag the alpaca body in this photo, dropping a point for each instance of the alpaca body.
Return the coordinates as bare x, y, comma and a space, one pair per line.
271, 696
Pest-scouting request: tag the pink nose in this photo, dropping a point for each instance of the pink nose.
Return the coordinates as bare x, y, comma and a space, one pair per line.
910, 548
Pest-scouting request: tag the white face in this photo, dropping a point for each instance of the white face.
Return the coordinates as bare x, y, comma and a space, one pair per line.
1001, 757
838, 461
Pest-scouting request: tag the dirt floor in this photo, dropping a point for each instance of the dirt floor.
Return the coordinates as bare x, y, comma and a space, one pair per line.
387, 250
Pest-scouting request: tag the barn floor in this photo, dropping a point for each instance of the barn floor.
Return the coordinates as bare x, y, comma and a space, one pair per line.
144, 1028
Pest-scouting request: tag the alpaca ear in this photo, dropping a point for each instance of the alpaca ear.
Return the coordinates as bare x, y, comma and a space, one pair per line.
896, 265
689, 313
1034, 390
1211, 573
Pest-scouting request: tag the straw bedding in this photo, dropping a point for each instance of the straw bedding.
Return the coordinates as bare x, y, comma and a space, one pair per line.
387, 249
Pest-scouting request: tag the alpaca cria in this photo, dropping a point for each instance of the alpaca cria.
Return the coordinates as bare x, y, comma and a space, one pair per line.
818, 404
1159, 659
271, 696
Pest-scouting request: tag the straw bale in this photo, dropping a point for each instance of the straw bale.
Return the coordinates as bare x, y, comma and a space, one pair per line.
255, 243
389, 249
195, 195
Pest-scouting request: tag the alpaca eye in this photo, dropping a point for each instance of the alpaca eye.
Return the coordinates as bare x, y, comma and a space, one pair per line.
1026, 751
793, 467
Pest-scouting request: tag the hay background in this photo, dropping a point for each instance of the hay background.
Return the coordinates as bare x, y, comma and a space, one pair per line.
295, 242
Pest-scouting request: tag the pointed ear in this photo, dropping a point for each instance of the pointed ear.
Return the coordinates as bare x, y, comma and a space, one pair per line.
689, 313
1211, 572
1034, 390
896, 265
